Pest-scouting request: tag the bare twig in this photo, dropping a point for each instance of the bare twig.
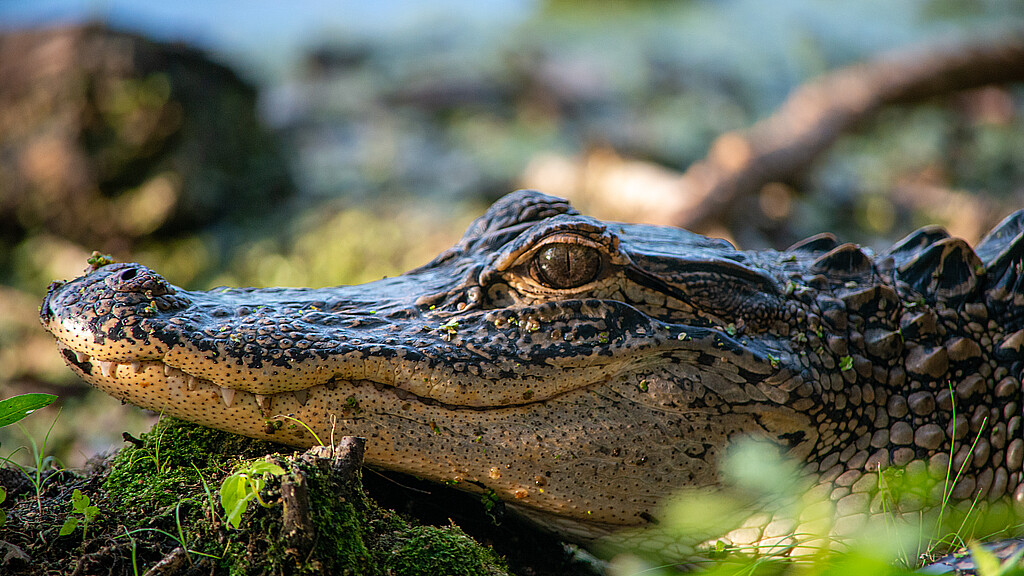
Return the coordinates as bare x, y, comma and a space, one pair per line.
783, 145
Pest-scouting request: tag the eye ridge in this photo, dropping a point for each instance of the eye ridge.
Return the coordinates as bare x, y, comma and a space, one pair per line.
563, 265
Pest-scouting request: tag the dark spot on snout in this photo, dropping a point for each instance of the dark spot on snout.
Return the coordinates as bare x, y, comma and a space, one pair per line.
72, 358
45, 311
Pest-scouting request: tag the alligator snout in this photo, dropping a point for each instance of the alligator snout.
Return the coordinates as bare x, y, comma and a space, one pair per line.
113, 301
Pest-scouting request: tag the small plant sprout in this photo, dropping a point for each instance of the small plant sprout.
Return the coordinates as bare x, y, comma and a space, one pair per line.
243, 486
162, 465
304, 425
180, 537
80, 504
135, 560
14, 409
209, 493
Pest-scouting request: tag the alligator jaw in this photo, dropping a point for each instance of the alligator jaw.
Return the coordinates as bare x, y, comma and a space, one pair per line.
478, 449
156, 386
161, 387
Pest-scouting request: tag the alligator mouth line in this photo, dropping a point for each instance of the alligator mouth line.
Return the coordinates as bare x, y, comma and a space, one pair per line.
175, 377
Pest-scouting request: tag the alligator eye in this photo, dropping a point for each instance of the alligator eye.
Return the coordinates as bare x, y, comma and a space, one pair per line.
566, 265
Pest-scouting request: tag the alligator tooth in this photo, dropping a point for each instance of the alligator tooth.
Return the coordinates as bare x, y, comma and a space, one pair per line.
264, 403
167, 370
301, 396
136, 366
81, 357
107, 368
191, 382
228, 395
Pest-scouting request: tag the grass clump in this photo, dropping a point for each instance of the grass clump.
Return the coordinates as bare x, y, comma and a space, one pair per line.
14, 409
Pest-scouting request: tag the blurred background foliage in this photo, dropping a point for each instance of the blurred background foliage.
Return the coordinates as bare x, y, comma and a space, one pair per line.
761, 490
325, 142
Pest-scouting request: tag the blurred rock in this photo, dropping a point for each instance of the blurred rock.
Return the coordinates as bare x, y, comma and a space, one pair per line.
106, 137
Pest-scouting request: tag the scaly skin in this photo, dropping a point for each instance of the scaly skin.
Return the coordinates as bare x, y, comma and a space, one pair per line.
583, 371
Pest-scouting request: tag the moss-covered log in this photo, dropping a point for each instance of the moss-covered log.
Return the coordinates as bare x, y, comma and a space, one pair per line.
160, 513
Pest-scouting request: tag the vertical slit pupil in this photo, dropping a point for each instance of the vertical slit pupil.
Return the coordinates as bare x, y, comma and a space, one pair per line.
566, 265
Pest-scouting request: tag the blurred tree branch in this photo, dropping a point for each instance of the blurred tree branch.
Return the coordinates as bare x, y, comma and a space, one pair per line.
783, 145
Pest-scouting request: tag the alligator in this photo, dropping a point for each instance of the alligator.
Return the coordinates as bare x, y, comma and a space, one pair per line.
583, 371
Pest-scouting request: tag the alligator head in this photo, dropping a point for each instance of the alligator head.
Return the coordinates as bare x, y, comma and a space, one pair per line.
583, 370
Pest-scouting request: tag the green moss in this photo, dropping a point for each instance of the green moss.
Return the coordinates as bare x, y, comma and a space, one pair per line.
163, 468
341, 517
355, 536
441, 550
158, 480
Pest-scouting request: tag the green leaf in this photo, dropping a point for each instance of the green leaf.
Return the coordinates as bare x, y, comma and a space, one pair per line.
234, 514
69, 525
242, 487
233, 498
3, 494
91, 513
79, 501
17, 407
3, 518
232, 490
264, 467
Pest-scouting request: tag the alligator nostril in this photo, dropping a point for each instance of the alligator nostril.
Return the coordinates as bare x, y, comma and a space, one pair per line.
128, 274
